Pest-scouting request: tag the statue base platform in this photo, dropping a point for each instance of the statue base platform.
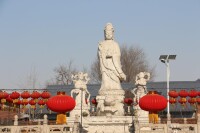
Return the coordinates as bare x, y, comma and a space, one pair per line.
141, 116
104, 124
77, 111
110, 102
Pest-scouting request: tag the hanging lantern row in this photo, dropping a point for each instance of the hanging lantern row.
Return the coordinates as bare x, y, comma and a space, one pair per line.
25, 95
25, 102
183, 94
14, 98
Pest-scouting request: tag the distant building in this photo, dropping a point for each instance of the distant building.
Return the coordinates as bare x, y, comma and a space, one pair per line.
160, 87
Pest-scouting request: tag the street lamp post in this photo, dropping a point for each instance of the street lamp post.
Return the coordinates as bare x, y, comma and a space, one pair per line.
165, 59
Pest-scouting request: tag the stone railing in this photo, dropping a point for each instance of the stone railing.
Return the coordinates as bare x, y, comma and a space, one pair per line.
41, 128
177, 125
180, 120
167, 128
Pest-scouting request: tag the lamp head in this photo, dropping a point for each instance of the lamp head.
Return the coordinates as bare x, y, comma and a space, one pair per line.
163, 60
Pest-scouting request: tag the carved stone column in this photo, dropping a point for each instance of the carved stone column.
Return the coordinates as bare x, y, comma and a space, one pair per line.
16, 120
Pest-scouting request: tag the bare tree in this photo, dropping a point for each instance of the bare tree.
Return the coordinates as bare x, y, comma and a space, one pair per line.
133, 60
64, 72
95, 73
30, 81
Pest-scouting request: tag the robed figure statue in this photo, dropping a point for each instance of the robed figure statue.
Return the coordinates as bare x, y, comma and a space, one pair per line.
111, 94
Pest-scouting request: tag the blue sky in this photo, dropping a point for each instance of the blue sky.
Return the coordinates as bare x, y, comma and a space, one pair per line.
39, 35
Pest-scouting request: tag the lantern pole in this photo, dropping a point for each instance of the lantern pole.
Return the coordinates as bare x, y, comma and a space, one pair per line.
81, 108
168, 75
165, 59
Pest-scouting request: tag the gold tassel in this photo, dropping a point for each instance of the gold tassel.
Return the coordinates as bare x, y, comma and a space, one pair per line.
153, 117
61, 118
150, 117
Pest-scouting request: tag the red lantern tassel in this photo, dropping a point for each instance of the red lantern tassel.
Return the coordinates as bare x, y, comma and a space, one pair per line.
61, 118
33, 106
150, 117
153, 117
3, 101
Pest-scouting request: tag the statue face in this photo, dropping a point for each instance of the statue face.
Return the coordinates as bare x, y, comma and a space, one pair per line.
141, 75
108, 34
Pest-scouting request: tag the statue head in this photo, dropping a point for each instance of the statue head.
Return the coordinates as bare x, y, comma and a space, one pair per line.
141, 75
108, 31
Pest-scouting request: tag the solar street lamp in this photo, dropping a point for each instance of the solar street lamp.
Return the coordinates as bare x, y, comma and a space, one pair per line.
165, 59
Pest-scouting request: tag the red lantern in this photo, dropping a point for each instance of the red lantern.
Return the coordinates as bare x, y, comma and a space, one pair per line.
153, 103
45, 95
32, 103
182, 101
61, 103
183, 93
192, 100
41, 102
14, 95
193, 93
3, 96
128, 101
198, 100
18, 103
173, 94
10, 100
94, 101
24, 103
35, 95
172, 100
25, 94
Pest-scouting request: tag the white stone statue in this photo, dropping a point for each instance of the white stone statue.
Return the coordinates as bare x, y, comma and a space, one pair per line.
110, 65
112, 75
140, 82
140, 90
80, 93
142, 78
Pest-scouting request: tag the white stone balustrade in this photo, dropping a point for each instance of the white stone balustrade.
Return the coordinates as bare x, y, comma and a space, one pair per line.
44, 128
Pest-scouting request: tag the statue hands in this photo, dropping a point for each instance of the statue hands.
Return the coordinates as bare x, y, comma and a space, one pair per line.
122, 76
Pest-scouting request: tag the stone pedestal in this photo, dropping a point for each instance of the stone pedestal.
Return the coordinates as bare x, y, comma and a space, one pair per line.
77, 111
140, 115
111, 124
110, 102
